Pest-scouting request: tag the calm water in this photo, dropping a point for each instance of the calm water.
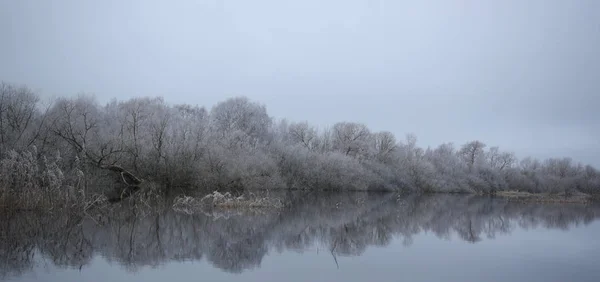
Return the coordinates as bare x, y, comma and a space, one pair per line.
321, 237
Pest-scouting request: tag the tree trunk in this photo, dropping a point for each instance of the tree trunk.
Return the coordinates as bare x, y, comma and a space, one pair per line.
131, 181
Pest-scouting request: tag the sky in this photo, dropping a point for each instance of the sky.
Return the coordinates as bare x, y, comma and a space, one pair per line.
522, 75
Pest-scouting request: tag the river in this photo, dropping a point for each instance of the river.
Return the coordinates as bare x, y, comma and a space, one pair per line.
317, 237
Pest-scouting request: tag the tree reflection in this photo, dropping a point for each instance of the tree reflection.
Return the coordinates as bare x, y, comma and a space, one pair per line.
347, 224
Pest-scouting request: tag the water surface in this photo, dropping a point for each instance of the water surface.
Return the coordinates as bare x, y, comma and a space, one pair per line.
320, 237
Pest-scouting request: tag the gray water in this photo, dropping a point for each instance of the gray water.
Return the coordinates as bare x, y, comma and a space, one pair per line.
320, 237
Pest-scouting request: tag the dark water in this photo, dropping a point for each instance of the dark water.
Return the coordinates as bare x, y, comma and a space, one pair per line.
321, 237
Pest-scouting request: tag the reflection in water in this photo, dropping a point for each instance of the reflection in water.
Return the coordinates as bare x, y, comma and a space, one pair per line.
347, 224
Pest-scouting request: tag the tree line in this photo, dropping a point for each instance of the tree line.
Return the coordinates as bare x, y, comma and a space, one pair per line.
70, 148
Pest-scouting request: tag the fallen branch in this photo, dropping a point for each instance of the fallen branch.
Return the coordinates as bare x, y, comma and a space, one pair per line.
128, 178
217, 200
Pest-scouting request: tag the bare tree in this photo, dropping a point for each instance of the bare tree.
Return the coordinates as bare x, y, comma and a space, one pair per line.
472, 153
351, 138
302, 133
500, 160
17, 113
242, 115
384, 145
135, 116
561, 168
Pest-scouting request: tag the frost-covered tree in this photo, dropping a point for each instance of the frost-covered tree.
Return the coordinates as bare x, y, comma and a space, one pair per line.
561, 168
17, 116
472, 153
451, 171
135, 117
76, 122
240, 114
384, 145
303, 134
499, 160
413, 166
351, 139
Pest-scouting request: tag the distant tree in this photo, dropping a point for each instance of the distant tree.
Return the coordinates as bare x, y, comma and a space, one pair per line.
351, 138
414, 166
17, 115
325, 141
240, 114
450, 169
472, 153
529, 164
77, 123
302, 133
500, 160
384, 145
561, 168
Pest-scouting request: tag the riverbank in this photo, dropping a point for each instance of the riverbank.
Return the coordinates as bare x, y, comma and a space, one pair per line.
262, 200
577, 197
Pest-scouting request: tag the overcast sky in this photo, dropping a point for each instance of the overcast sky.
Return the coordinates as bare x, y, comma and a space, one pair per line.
524, 75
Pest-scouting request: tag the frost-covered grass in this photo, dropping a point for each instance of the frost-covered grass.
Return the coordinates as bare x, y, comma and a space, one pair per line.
27, 183
217, 200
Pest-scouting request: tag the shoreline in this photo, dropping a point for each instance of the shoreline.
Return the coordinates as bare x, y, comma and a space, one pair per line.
562, 198
218, 201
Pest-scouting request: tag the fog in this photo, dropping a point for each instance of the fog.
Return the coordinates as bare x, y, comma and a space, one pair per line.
518, 74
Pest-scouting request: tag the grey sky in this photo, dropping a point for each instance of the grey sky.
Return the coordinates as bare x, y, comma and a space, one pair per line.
519, 74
